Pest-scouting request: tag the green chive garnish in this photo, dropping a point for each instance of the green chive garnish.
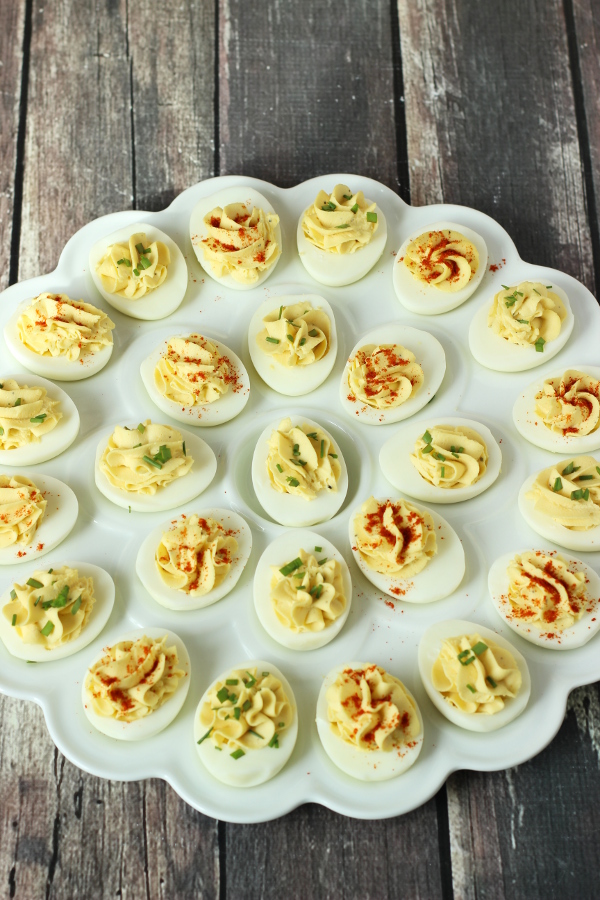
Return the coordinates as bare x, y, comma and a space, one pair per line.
568, 470
37, 420
47, 629
290, 337
584, 478
318, 549
204, 736
313, 333
549, 287
371, 217
13, 595
232, 681
557, 485
427, 449
18, 401
580, 494
329, 206
346, 197
75, 607
237, 754
427, 437
279, 468
491, 681
136, 271
321, 561
34, 583
539, 345
124, 262
265, 674
272, 340
479, 648
322, 448
252, 681
274, 742
342, 226
184, 453
256, 734
237, 712
354, 208
291, 566
439, 456
443, 471
246, 705
222, 695
312, 434
333, 455
141, 428
152, 462
14, 620
471, 688
292, 481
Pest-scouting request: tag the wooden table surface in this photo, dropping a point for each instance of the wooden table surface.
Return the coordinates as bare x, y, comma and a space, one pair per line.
110, 104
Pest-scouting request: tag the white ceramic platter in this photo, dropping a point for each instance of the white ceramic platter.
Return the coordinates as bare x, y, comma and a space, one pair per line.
378, 629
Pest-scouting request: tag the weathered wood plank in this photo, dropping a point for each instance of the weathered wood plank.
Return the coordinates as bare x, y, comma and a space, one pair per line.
173, 97
306, 86
140, 840
491, 123
12, 16
315, 853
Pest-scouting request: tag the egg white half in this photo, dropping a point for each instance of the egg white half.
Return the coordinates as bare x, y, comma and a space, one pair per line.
553, 531
155, 721
581, 631
425, 299
174, 494
494, 352
149, 575
292, 381
222, 410
256, 766
337, 269
198, 231
57, 523
365, 765
54, 442
532, 428
441, 576
104, 592
428, 352
279, 552
394, 459
54, 367
288, 509
429, 649
164, 299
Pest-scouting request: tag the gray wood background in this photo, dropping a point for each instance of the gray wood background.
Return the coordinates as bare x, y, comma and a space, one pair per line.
110, 104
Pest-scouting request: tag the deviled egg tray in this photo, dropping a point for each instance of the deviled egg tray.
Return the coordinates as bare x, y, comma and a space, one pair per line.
379, 629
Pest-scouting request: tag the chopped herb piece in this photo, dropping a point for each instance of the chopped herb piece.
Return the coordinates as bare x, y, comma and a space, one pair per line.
292, 481
232, 681
439, 456
18, 401
34, 583
346, 197
246, 705
539, 345
443, 471
274, 742
354, 208
464, 655
50, 571
461, 449
557, 486
302, 342
371, 217
256, 734
272, 340
222, 695
312, 434
290, 337
506, 287
252, 681
523, 321
491, 681
47, 629
321, 561
281, 724
183, 448
291, 566
427, 449
204, 736
37, 601
579, 494
280, 312
549, 287
139, 248
237, 754
479, 648
510, 300
313, 333
318, 549
1, 431
141, 428
329, 206
316, 591
427, 437
13, 595
237, 712
61, 599
232, 698
135, 446
586, 494
136, 271
471, 688
342, 226
279, 468
322, 448
14, 620
75, 607
124, 262
455, 455
152, 462
568, 470
144, 263
164, 454
37, 420
584, 478
333, 455
537, 292
265, 674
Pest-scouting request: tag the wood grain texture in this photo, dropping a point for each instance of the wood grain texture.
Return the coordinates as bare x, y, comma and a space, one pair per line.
12, 16
306, 90
314, 853
491, 123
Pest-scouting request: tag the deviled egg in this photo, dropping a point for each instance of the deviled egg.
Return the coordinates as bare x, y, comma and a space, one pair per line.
137, 686
236, 236
246, 724
368, 721
38, 420
56, 612
37, 513
472, 675
298, 472
194, 560
561, 412
562, 503
341, 236
441, 460
302, 590
152, 467
292, 341
196, 380
409, 553
438, 267
63, 339
525, 325
140, 271
546, 597
392, 373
